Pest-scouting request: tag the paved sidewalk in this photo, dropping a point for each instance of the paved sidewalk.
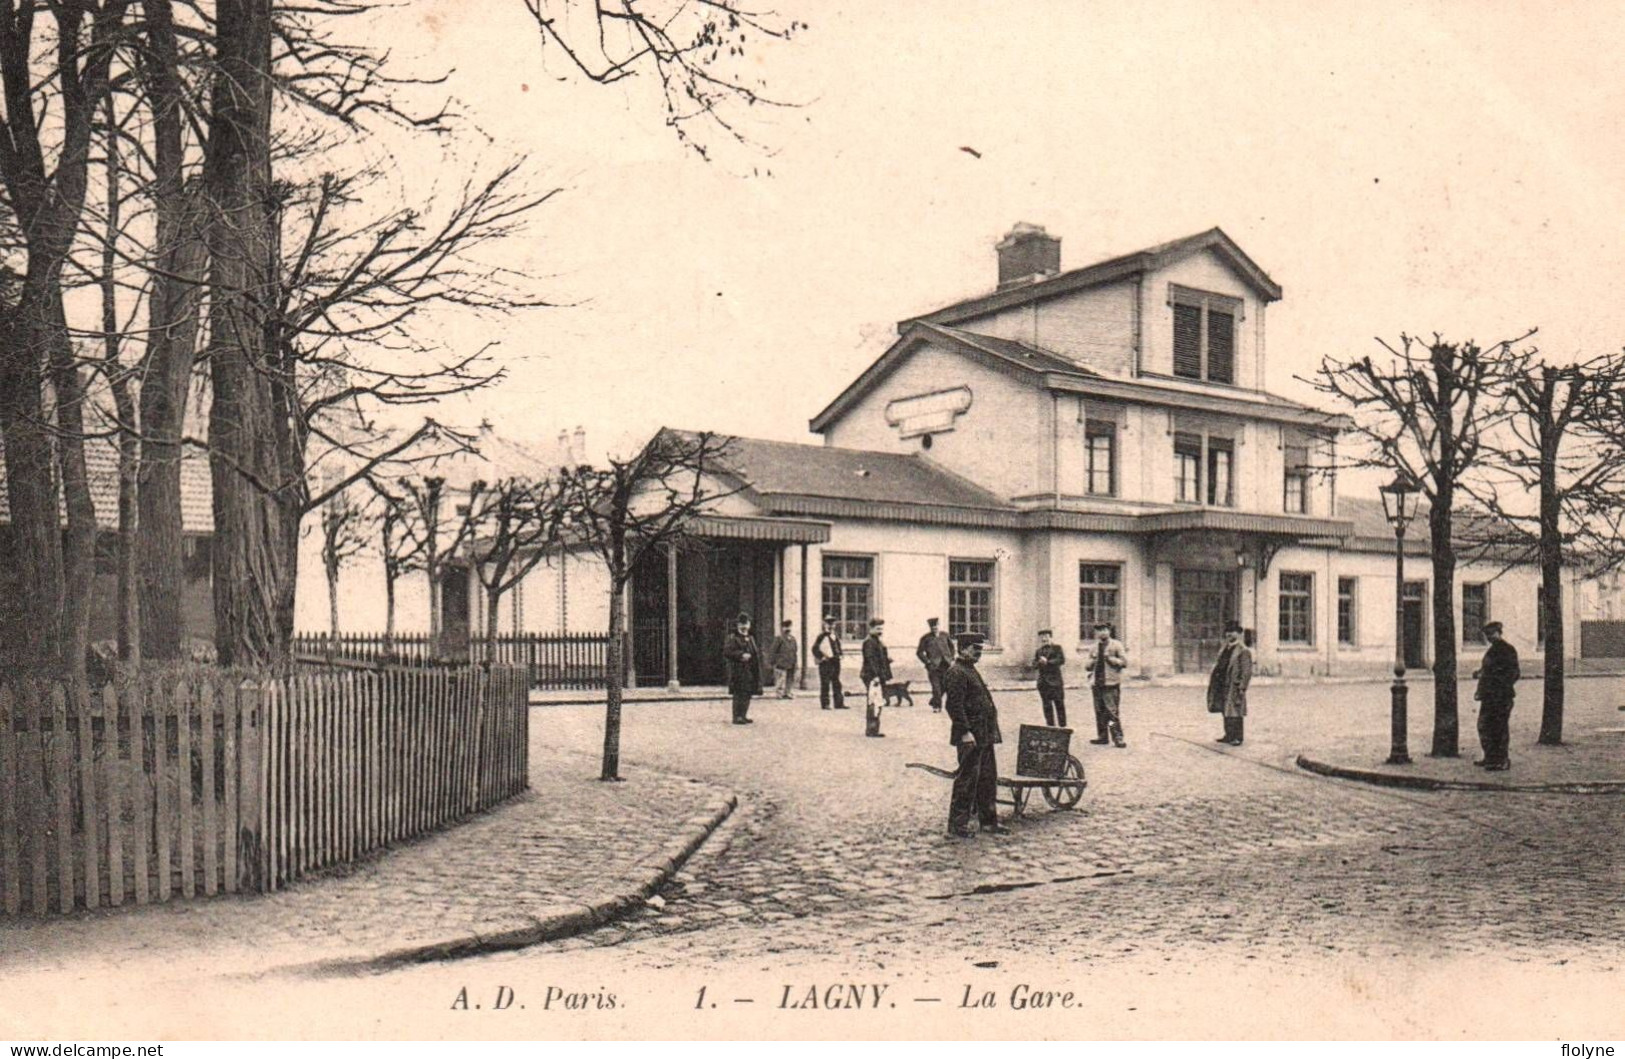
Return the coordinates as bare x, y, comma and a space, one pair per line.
564, 856
1590, 760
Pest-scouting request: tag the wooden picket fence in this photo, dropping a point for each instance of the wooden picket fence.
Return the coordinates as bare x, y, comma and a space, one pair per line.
554, 661
203, 781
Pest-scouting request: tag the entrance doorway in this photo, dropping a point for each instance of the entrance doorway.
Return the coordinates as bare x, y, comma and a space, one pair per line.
1203, 601
716, 580
1415, 624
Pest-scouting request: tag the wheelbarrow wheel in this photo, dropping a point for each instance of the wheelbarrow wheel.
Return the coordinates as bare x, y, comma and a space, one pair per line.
1067, 797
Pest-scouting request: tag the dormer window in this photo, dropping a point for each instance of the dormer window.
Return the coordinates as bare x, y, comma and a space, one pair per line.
1204, 334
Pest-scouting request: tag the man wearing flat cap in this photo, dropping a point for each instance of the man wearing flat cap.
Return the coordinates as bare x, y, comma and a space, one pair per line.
974, 733
875, 674
1227, 685
1107, 660
936, 653
1496, 676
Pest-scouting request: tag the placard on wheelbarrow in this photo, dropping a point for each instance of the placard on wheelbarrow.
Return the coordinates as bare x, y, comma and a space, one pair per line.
1042, 752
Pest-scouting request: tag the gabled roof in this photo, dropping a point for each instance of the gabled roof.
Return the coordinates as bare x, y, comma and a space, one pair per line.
1045, 368
776, 469
101, 466
1001, 354
1107, 271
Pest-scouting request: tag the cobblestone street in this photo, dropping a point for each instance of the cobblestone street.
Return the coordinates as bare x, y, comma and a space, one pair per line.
1198, 890
1180, 845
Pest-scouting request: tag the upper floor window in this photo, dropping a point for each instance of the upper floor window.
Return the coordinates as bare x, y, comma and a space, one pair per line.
1296, 488
1204, 470
1204, 334
970, 597
1220, 459
1188, 468
1100, 441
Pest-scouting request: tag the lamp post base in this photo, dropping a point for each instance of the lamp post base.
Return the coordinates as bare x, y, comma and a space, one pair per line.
1399, 748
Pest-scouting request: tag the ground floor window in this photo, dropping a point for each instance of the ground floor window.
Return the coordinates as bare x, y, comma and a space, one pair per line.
1346, 623
1475, 611
849, 584
1098, 599
970, 597
1297, 608
1540, 617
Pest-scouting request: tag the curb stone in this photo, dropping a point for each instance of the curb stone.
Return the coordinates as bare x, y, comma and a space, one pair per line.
517, 930
1428, 783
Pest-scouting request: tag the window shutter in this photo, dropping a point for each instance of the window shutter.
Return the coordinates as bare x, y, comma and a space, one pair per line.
1221, 346
1188, 341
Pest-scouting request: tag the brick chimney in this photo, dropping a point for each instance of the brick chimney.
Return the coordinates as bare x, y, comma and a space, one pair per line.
1027, 253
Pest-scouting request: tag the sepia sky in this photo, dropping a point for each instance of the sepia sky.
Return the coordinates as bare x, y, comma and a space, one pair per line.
1395, 167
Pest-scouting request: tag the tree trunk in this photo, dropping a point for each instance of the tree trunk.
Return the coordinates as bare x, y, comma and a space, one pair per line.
31, 488
389, 613
79, 540
129, 442
1446, 726
173, 308
333, 601
254, 454
493, 599
1551, 576
614, 681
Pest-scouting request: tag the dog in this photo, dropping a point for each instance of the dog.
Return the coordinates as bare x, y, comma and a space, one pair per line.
896, 693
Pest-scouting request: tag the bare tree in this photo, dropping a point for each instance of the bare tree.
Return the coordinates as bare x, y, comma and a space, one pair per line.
319, 335
403, 544
630, 509
45, 140
516, 522
1424, 415
701, 55
1561, 442
345, 526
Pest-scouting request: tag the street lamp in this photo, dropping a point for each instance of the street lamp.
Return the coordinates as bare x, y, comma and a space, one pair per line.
1399, 499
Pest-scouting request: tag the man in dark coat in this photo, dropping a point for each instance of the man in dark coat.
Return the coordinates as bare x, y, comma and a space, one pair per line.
936, 653
784, 659
827, 651
974, 733
875, 674
744, 667
1496, 677
1227, 684
1048, 660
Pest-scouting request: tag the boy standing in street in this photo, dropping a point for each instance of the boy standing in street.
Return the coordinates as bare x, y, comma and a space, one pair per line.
784, 658
1048, 660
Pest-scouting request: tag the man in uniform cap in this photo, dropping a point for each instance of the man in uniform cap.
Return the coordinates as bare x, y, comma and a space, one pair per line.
936, 651
1496, 676
974, 733
875, 674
